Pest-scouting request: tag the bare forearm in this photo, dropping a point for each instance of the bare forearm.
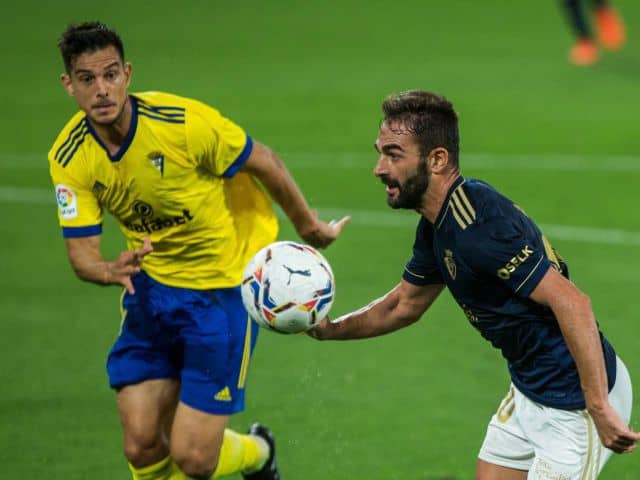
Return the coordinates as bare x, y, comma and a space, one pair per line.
89, 266
376, 318
287, 194
98, 272
402, 306
265, 165
572, 309
583, 339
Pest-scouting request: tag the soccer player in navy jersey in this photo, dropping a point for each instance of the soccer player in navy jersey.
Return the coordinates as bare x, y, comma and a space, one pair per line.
566, 380
182, 182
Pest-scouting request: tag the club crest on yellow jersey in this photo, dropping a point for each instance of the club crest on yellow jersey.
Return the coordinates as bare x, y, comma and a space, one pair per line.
157, 160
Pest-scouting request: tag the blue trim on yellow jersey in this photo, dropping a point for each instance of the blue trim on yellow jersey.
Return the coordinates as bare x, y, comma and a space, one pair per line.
64, 156
72, 135
167, 107
163, 113
128, 139
160, 110
79, 232
65, 160
240, 161
162, 119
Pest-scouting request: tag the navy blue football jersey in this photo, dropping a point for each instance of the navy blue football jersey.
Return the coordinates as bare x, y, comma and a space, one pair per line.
491, 256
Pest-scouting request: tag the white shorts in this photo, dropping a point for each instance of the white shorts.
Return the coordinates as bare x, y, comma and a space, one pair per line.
549, 443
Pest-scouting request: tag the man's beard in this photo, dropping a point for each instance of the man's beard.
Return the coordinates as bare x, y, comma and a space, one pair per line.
411, 193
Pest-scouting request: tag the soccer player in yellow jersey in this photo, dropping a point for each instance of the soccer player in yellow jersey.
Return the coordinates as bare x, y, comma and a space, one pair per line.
181, 180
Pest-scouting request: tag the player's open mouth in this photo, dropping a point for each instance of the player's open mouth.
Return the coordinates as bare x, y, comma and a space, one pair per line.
392, 186
391, 191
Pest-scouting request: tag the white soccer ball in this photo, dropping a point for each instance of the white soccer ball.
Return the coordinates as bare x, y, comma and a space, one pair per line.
288, 287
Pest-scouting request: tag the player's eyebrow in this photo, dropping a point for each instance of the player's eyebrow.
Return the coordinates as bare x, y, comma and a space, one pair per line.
84, 70
392, 146
387, 148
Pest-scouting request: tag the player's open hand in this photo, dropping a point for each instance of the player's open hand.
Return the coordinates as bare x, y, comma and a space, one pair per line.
322, 234
128, 264
614, 434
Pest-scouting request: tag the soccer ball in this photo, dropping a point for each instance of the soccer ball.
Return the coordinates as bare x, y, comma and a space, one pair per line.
287, 287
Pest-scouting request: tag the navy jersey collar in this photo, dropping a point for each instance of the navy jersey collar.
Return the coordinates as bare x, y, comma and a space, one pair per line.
130, 134
445, 204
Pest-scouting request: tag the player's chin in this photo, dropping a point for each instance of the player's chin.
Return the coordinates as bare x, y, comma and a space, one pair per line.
104, 117
392, 199
394, 202
103, 120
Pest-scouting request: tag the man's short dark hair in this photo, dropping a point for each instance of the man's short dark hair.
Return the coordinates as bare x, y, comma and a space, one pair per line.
87, 37
430, 117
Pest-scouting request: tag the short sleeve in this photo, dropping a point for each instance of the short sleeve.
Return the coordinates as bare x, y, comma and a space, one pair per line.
215, 142
510, 250
79, 212
423, 269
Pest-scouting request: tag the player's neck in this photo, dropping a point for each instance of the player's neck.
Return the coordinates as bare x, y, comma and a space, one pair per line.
114, 134
437, 190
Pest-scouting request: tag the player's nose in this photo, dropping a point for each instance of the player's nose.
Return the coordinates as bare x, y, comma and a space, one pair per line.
381, 166
101, 86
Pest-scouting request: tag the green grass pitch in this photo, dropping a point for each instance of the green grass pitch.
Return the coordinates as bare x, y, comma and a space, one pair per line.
307, 78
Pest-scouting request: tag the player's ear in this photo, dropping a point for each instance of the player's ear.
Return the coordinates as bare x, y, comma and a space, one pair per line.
438, 159
65, 79
127, 71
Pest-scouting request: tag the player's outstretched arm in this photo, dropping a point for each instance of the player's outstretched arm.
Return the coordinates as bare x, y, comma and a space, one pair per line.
265, 165
86, 260
399, 308
573, 310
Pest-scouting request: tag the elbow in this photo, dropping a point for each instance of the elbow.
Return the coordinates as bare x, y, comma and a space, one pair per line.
585, 301
407, 318
77, 270
578, 305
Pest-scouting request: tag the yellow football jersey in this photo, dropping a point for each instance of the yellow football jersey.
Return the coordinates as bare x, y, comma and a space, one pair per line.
176, 180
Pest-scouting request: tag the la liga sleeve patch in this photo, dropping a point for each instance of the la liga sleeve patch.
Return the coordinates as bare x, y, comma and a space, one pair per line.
67, 201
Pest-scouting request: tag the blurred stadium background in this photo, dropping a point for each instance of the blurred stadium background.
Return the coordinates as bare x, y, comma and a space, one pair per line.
307, 78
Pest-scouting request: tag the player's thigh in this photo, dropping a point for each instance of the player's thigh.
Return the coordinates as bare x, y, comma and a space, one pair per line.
566, 442
505, 452
218, 337
145, 348
490, 471
196, 438
146, 412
